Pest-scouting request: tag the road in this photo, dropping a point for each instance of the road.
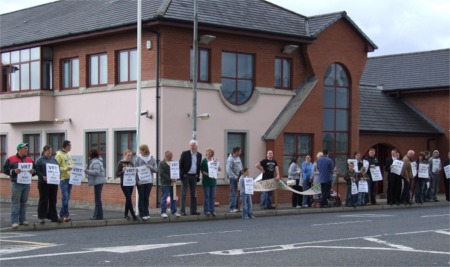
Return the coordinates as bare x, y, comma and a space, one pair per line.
413, 237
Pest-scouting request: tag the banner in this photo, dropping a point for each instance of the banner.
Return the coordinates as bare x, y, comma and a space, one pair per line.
447, 171
354, 189
355, 164
423, 171
144, 174
213, 169
436, 165
397, 166
76, 175
248, 183
129, 177
53, 174
376, 174
24, 177
363, 186
414, 168
174, 170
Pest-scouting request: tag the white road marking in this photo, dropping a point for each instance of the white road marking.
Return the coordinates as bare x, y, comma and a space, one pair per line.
417, 232
367, 215
321, 224
14, 235
429, 216
223, 232
382, 242
45, 255
442, 232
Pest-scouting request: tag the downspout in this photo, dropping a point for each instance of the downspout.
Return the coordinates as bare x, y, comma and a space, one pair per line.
158, 98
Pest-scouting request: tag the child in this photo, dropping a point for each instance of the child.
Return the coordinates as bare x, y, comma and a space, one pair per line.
350, 177
362, 176
246, 199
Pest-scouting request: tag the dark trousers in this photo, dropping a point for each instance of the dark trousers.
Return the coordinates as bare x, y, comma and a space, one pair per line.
405, 193
47, 201
372, 192
297, 199
398, 189
190, 181
325, 187
447, 188
391, 189
128, 192
98, 210
144, 199
421, 186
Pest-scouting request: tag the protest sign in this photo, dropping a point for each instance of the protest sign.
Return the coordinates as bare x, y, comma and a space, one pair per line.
397, 166
76, 175
423, 170
53, 174
213, 169
144, 174
129, 177
363, 186
174, 170
24, 177
248, 183
376, 174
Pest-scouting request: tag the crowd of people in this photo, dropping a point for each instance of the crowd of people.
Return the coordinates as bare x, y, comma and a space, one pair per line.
419, 177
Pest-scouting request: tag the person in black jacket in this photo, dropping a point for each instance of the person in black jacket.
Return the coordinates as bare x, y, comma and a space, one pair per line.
394, 181
190, 161
373, 161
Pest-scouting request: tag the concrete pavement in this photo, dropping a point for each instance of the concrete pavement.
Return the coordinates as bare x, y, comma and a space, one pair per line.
80, 217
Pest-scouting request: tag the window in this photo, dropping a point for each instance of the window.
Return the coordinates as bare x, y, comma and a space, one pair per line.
237, 77
3, 155
127, 65
27, 69
203, 65
234, 140
295, 144
125, 140
97, 140
98, 70
55, 140
336, 115
34, 145
70, 73
283, 73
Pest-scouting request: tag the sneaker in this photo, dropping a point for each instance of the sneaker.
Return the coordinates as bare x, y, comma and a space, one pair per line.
305, 206
213, 214
164, 215
41, 221
67, 219
145, 218
208, 214
251, 216
15, 225
233, 210
26, 223
176, 214
298, 207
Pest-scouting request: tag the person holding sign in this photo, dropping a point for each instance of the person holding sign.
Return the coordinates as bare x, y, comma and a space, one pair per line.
373, 161
350, 178
407, 176
435, 168
126, 164
362, 181
47, 192
209, 181
394, 180
96, 177
23, 166
294, 173
447, 177
269, 169
167, 185
246, 185
234, 168
421, 183
146, 166
190, 161
65, 165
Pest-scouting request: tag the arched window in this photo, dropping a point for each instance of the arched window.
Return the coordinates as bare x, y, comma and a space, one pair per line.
336, 114
237, 77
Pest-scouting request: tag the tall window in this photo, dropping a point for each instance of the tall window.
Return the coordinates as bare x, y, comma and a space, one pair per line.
234, 140
203, 65
98, 69
55, 140
336, 114
125, 140
3, 155
34, 145
295, 144
237, 77
127, 66
97, 140
70, 73
283, 73
27, 69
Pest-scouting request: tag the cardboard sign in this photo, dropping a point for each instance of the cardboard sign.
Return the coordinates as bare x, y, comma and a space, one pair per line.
436, 165
145, 174
423, 171
354, 188
447, 171
76, 176
24, 177
363, 187
248, 183
53, 173
366, 165
376, 174
129, 177
355, 164
397, 166
414, 168
213, 169
174, 170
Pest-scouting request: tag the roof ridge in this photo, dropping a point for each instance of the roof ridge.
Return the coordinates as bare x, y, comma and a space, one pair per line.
411, 53
328, 14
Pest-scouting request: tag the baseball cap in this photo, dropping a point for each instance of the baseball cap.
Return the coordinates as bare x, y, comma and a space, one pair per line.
19, 146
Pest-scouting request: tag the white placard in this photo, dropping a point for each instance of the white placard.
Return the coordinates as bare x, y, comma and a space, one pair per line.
366, 165
129, 176
363, 187
145, 175
174, 170
414, 168
77, 161
447, 171
248, 182
53, 173
397, 166
24, 177
423, 170
354, 189
355, 164
376, 174
76, 175
213, 169
436, 164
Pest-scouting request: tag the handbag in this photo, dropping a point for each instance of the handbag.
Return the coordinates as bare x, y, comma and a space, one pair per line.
290, 182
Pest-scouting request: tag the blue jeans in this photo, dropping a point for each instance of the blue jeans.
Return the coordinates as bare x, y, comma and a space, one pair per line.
361, 199
306, 185
98, 211
350, 199
234, 197
246, 206
167, 190
19, 198
266, 199
66, 188
209, 198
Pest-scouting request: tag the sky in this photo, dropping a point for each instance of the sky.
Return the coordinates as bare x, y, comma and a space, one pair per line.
395, 26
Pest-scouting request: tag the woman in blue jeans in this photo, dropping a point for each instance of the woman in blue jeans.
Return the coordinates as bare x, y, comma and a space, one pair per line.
96, 177
209, 184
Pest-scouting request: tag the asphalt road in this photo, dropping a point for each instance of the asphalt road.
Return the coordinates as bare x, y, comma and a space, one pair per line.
397, 237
